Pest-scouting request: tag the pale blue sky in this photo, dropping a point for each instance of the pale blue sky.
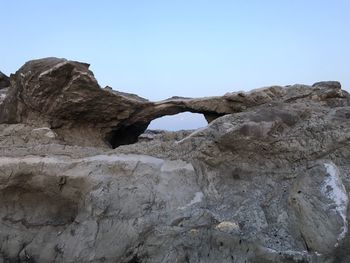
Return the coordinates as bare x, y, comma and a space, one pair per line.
158, 49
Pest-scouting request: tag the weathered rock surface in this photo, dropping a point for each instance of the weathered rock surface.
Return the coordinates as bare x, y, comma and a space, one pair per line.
266, 181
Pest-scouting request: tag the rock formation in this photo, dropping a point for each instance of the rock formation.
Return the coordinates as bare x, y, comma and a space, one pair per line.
266, 181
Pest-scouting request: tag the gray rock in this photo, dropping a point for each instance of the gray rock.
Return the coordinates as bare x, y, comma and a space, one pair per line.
328, 84
266, 182
320, 201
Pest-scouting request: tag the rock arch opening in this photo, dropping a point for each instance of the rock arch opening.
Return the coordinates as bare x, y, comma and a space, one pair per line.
130, 134
180, 121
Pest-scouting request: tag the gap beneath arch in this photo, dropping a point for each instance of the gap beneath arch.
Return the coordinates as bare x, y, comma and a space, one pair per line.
130, 134
180, 121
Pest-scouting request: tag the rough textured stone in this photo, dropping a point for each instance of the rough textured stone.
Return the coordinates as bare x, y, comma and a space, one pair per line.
268, 181
320, 202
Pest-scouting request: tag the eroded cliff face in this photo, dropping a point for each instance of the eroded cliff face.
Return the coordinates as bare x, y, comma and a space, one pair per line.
266, 181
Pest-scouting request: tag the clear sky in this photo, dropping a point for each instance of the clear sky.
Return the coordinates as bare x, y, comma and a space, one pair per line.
191, 48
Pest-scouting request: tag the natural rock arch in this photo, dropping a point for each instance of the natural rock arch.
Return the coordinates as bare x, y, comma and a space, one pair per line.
65, 96
127, 134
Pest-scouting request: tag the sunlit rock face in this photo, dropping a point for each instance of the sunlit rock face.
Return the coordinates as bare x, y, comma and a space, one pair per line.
266, 181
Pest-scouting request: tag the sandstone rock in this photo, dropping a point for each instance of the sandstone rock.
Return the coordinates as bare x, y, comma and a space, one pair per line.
266, 181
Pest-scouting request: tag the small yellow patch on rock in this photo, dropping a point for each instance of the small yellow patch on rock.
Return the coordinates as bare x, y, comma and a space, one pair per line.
228, 226
194, 232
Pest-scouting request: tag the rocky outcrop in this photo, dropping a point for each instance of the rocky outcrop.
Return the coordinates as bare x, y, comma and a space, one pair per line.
266, 181
65, 96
